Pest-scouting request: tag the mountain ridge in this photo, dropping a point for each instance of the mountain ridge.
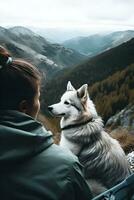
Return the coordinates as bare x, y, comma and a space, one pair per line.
32, 47
94, 44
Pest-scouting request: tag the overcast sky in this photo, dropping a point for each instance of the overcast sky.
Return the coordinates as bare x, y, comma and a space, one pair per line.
86, 14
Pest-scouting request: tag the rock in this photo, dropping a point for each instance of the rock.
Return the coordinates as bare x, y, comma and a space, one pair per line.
130, 158
125, 119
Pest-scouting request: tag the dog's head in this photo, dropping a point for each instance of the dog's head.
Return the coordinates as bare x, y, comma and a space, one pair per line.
74, 104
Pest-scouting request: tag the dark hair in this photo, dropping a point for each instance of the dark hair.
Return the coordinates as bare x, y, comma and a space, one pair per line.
18, 80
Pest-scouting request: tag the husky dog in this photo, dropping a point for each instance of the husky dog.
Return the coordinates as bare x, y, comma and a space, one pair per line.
103, 158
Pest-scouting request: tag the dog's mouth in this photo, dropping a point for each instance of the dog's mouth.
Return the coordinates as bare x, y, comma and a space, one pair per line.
57, 115
54, 113
60, 115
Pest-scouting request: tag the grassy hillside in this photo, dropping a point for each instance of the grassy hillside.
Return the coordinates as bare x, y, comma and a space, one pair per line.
51, 124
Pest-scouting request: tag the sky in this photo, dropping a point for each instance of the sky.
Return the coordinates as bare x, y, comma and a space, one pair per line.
90, 15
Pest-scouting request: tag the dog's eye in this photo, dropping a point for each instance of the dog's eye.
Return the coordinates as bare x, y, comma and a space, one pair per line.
66, 102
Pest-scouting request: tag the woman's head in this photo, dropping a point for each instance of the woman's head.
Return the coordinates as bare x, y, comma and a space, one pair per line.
19, 85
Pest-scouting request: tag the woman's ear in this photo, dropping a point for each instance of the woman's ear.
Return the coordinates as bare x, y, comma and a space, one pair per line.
23, 106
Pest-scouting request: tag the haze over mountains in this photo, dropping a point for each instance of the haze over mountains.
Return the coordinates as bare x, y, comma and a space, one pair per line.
95, 44
49, 57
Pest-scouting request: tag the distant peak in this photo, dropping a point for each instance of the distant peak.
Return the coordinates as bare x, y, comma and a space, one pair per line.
21, 30
2, 29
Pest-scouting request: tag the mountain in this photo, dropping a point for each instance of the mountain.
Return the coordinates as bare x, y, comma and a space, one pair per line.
97, 43
97, 69
28, 45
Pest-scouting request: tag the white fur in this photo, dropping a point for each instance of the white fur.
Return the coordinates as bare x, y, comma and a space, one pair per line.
104, 160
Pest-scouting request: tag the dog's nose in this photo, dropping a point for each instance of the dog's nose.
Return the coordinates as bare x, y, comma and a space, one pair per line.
50, 108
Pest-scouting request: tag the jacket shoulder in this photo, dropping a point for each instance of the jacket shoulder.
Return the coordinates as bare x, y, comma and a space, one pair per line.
61, 155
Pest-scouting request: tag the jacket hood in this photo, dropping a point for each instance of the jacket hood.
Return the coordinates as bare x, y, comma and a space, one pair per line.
21, 137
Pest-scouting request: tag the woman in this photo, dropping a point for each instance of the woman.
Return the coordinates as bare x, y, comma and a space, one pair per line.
31, 166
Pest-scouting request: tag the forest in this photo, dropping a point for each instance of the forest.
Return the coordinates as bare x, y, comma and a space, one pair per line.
114, 93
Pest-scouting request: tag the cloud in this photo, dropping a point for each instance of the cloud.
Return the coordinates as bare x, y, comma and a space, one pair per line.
67, 13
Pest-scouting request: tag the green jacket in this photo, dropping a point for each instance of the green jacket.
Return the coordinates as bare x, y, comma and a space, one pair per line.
32, 167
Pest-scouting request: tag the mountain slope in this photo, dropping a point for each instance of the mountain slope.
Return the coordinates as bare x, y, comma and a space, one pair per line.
96, 69
24, 43
114, 93
96, 44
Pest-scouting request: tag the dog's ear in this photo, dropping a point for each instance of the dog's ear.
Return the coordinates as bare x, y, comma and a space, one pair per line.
70, 87
82, 92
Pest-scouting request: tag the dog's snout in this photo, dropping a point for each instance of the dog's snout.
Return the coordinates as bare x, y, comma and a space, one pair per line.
50, 108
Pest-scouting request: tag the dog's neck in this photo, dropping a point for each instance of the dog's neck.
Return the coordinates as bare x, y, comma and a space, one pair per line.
78, 124
84, 132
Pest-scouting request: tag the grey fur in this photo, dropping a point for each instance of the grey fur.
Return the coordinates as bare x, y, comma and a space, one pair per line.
104, 160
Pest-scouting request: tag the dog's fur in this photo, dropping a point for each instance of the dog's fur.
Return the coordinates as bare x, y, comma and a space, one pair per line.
104, 160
